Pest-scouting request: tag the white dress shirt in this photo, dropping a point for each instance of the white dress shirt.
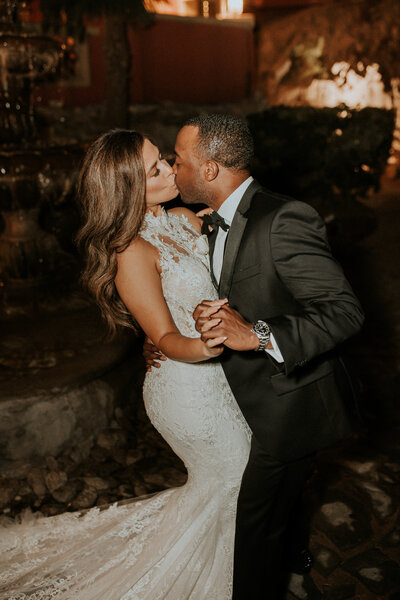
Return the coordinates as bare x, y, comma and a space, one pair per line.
227, 211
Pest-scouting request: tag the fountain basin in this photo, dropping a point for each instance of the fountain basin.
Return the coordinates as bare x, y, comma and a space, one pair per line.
60, 383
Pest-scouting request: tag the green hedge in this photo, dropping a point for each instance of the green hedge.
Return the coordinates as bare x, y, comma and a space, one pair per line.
317, 153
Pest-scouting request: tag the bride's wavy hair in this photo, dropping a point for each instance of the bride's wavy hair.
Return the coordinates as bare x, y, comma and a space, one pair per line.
112, 193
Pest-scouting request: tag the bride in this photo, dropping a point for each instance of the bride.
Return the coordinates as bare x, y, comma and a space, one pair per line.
146, 267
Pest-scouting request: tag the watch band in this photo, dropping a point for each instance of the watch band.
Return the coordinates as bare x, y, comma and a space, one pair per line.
263, 332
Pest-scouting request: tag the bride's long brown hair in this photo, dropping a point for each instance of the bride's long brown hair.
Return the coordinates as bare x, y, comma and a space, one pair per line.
112, 192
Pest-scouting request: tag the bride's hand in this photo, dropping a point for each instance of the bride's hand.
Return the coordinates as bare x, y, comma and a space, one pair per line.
205, 211
214, 347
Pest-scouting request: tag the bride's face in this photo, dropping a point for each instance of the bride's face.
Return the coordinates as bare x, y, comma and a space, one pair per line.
160, 179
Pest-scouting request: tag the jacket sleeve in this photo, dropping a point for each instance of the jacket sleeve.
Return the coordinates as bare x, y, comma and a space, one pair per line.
330, 313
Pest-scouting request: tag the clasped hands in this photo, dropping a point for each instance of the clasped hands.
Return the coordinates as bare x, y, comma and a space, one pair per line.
214, 319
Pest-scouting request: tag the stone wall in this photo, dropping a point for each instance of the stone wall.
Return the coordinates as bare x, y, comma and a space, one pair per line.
296, 49
48, 422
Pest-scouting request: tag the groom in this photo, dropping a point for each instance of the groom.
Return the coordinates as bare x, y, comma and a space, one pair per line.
288, 307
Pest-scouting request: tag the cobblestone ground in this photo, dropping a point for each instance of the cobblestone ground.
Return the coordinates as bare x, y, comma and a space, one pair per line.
353, 495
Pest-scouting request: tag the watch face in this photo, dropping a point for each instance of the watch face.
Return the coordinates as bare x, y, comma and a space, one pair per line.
262, 328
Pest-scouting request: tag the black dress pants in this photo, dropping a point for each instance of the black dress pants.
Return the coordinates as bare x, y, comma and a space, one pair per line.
269, 495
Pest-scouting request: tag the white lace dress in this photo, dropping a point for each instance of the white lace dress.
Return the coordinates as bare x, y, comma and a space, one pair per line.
177, 544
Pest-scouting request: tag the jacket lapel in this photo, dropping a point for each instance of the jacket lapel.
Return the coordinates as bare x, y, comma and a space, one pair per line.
234, 238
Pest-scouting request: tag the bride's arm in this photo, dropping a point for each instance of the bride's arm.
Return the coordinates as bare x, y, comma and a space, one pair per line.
138, 283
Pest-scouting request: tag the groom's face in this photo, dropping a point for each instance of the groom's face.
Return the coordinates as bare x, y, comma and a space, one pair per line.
188, 168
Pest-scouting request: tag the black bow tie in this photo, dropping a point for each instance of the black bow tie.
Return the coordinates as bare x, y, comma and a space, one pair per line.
215, 221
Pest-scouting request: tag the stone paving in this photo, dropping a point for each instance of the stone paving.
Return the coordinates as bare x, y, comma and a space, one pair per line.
352, 497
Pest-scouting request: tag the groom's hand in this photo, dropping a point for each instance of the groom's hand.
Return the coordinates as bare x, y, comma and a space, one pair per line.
152, 354
223, 321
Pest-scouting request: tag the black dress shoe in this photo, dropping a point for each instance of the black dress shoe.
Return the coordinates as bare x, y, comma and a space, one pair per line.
302, 563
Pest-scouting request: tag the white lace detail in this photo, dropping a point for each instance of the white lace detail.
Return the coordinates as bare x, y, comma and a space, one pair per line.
175, 545
184, 264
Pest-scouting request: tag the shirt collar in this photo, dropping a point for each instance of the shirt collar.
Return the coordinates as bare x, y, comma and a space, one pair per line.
229, 206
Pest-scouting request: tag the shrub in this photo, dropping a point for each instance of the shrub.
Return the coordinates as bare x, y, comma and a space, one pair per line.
320, 153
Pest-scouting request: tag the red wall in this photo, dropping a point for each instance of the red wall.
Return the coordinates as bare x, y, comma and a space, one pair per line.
190, 61
178, 59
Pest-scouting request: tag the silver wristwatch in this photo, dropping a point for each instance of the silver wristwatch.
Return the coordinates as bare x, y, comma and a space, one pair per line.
263, 332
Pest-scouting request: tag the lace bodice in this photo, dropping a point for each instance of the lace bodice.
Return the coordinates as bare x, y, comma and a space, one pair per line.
184, 262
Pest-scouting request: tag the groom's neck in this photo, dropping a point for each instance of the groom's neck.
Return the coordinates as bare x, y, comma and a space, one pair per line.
225, 185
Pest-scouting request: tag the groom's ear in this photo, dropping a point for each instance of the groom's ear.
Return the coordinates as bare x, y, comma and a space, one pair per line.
211, 170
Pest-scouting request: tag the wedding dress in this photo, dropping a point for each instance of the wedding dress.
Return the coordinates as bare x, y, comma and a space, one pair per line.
176, 544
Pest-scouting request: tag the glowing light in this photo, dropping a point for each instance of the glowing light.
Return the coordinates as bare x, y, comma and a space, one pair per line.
205, 8
235, 7
231, 8
184, 8
228, 9
349, 88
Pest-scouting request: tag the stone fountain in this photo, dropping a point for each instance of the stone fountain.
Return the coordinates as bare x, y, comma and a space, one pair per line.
33, 171
59, 380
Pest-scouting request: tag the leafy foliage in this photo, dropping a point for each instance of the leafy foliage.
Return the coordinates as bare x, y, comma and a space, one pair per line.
309, 152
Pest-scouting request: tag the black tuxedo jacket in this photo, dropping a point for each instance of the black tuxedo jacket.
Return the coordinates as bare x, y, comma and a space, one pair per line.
278, 268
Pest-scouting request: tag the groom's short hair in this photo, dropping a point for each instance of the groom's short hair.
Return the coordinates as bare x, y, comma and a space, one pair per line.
225, 139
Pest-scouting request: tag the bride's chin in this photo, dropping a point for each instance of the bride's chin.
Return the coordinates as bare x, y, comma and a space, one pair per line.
160, 201
172, 196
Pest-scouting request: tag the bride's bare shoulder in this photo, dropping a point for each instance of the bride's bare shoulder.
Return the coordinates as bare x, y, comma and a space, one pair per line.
138, 250
182, 211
